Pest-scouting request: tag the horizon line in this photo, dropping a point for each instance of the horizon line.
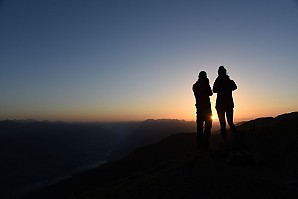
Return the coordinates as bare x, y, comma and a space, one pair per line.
116, 121
240, 119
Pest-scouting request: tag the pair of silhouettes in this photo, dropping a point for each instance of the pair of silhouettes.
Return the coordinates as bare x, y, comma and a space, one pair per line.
223, 86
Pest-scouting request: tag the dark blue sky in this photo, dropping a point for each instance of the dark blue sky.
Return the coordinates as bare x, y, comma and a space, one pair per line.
137, 59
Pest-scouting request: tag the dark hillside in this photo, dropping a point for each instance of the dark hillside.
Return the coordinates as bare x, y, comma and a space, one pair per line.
151, 131
35, 153
172, 168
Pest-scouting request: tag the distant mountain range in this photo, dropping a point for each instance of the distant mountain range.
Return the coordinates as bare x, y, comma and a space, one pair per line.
34, 153
151, 131
173, 168
37, 153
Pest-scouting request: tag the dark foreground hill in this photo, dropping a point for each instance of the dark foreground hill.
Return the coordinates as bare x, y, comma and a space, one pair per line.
172, 168
150, 131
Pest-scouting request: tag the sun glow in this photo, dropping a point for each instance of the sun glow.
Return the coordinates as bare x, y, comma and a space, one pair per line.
213, 117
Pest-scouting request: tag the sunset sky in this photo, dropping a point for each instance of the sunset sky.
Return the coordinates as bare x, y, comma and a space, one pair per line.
107, 60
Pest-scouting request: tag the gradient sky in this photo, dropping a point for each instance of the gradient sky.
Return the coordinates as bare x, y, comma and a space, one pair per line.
137, 59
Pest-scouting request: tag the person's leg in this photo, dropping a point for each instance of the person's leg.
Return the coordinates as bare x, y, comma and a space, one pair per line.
207, 131
199, 131
222, 121
230, 115
236, 141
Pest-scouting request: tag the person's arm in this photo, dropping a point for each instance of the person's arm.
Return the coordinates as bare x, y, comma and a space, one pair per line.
233, 85
210, 93
215, 87
195, 88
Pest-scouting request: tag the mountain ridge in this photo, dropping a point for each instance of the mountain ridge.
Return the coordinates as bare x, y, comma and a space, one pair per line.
172, 168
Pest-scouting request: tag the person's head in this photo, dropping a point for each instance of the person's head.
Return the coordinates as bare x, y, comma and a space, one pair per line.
222, 71
202, 75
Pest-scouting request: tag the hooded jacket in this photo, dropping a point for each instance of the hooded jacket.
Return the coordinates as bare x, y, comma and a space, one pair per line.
202, 91
224, 87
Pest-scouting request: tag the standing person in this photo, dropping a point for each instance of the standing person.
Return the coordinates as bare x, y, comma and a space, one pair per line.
202, 91
224, 87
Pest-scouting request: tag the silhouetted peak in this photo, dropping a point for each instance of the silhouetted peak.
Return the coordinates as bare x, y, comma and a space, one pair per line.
287, 116
265, 122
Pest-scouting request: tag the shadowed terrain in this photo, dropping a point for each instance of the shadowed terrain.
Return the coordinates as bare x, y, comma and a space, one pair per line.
173, 168
35, 153
150, 131
38, 153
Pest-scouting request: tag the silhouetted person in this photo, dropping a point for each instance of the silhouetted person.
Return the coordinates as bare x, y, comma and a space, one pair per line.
202, 91
224, 86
